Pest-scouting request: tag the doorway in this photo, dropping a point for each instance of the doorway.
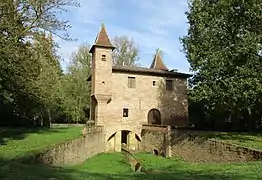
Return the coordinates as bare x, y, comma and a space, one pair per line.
124, 137
154, 117
93, 108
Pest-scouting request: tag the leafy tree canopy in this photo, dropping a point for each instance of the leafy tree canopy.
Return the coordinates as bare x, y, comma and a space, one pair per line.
223, 47
126, 53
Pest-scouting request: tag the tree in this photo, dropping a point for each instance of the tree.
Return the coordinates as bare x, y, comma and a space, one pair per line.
76, 89
20, 24
125, 53
223, 47
46, 84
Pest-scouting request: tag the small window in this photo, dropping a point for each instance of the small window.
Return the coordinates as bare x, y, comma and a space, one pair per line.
131, 82
169, 85
125, 112
154, 83
103, 57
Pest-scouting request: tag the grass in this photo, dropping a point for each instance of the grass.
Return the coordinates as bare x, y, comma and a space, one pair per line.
113, 166
15, 143
20, 142
179, 169
249, 140
103, 166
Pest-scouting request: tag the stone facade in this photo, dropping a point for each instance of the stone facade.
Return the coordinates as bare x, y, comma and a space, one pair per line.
123, 99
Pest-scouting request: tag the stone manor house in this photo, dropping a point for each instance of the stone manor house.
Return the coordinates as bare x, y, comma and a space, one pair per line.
125, 98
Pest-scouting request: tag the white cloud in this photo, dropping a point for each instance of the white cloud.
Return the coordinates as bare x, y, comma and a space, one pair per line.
152, 24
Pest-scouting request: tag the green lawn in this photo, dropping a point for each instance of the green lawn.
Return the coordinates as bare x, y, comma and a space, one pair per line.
20, 142
164, 168
15, 143
103, 166
113, 166
250, 140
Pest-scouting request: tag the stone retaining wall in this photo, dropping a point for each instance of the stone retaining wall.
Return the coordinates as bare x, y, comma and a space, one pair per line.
191, 147
156, 138
74, 151
247, 154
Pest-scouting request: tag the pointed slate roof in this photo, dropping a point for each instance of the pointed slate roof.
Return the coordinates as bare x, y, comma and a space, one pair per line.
102, 39
158, 63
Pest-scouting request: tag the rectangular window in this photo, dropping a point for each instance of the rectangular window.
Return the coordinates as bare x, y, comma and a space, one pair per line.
125, 112
103, 57
154, 83
131, 82
169, 85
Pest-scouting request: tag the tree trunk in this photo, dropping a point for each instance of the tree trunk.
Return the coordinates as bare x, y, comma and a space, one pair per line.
250, 120
49, 118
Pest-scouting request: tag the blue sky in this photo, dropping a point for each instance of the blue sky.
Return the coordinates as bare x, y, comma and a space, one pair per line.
151, 23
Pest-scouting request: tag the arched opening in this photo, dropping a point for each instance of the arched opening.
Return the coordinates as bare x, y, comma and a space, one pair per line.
123, 139
154, 117
155, 152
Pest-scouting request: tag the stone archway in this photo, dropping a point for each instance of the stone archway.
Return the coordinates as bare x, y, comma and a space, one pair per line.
154, 117
123, 139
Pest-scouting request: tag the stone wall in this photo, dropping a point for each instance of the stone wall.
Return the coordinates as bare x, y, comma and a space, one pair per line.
190, 146
75, 151
156, 139
146, 96
139, 101
55, 125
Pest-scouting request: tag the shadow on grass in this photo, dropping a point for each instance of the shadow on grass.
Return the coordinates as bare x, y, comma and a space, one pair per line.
11, 170
248, 140
240, 136
201, 136
7, 134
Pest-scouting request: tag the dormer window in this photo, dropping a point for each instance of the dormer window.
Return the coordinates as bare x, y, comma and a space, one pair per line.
103, 57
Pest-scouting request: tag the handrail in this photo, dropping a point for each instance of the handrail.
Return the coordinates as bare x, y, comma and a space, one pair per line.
137, 165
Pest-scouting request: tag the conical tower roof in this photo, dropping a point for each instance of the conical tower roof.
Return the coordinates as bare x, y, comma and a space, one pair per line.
102, 39
158, 63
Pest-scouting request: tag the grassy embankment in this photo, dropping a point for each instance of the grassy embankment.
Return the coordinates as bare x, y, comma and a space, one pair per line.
249, 140
16, 144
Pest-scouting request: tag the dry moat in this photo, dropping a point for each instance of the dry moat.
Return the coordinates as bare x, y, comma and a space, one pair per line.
83, 157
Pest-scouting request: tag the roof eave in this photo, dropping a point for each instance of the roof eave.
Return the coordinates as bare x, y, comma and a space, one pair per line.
156, 73
101, 46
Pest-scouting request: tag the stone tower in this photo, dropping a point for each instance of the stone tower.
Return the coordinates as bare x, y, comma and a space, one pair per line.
101, 91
